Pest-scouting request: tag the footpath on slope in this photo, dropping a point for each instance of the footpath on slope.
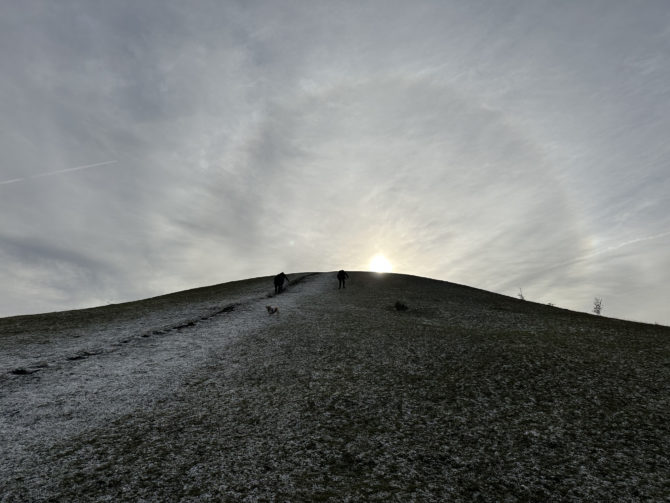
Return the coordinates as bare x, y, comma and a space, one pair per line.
59, 381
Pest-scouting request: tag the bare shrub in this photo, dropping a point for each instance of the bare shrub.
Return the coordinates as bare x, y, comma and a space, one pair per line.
597, 305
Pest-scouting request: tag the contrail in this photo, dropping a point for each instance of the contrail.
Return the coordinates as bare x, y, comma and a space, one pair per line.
52, 173
6, 182
610, 249
636, 240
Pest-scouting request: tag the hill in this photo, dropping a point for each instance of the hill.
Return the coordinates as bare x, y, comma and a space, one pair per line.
202, 396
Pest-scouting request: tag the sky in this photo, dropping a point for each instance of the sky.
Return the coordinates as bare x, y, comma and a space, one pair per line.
514, 146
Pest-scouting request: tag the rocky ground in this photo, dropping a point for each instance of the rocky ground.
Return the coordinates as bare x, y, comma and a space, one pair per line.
464, 396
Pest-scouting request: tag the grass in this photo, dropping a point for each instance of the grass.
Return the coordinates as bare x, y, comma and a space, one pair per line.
466, 396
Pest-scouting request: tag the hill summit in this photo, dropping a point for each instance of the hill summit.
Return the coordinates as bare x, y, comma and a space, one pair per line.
395, 388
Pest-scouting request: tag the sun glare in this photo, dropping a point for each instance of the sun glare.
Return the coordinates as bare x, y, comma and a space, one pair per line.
379, 263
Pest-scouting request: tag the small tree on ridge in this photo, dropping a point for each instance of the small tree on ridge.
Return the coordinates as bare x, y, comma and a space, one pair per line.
598, 305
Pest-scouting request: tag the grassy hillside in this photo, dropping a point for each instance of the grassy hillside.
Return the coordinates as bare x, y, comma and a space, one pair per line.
152, 312
464, 396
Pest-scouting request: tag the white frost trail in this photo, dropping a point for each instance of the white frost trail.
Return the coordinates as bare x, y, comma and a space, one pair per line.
128, 373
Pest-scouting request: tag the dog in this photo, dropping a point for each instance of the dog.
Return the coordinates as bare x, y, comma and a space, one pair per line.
272, 309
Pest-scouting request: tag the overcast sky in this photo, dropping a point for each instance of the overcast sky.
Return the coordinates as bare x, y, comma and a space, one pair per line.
154, 146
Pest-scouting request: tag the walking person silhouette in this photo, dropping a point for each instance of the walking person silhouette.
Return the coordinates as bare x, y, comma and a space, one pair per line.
279, 282
341, 277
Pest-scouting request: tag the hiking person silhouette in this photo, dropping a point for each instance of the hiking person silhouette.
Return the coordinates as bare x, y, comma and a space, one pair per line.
279, 282
341, 276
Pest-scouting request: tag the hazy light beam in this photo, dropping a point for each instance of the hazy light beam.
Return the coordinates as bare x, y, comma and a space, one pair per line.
52, 173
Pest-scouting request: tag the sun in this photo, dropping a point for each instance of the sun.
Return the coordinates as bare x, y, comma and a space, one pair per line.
379, 263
